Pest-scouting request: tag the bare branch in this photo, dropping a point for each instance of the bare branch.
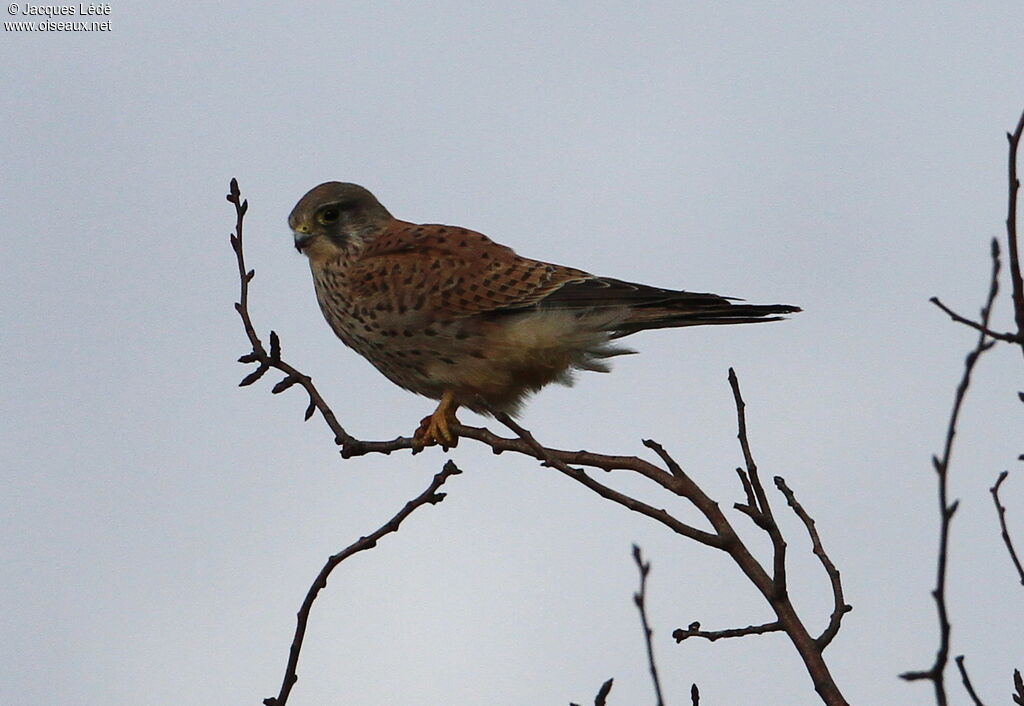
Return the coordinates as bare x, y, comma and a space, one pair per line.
626, 501
1016, 281
840, 607
773, 589
429, 496
355, 447
1001, 512
694, 695
639, 598
259, 354
1008, 337
936, 673
694, 630
967, 681
762, 513
602, 694
750, 507
1018, 687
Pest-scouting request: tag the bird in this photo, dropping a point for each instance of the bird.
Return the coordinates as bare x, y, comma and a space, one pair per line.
448, 313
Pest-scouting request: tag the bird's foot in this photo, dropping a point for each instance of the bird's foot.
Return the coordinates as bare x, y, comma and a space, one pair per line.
437, 427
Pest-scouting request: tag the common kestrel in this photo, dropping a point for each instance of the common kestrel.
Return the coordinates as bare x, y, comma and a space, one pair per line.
448, 313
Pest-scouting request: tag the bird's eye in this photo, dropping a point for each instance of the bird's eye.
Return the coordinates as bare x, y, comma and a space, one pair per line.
329, 215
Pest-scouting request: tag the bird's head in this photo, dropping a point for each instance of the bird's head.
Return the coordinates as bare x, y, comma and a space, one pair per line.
334, 216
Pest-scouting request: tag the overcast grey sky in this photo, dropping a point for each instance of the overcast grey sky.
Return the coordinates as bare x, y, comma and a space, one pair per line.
161, 525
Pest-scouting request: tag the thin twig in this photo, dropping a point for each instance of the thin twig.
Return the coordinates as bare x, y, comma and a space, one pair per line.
967, 681
429, 496
762, 513
259, 353
694, 630
1013, 252
1007, 337
639, 598
773, 589
1001, 511
1016, 281
356, 447
839, 605
694, 695
1018, 687
615, 496
936, 673
602, 694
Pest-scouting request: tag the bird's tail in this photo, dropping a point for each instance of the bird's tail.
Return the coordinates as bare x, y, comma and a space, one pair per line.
691, 312
644, 307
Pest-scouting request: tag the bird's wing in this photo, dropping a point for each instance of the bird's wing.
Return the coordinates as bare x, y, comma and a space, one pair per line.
603, 292
454, 272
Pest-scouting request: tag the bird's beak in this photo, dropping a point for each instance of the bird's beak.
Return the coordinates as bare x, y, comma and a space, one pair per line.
302, 237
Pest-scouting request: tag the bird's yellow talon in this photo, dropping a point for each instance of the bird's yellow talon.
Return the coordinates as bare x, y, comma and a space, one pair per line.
436, 428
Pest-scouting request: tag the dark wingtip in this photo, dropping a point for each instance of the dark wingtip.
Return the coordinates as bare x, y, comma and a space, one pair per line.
711, 316
755, 311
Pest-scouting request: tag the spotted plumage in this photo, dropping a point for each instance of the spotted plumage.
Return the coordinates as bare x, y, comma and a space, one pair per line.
448, 313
